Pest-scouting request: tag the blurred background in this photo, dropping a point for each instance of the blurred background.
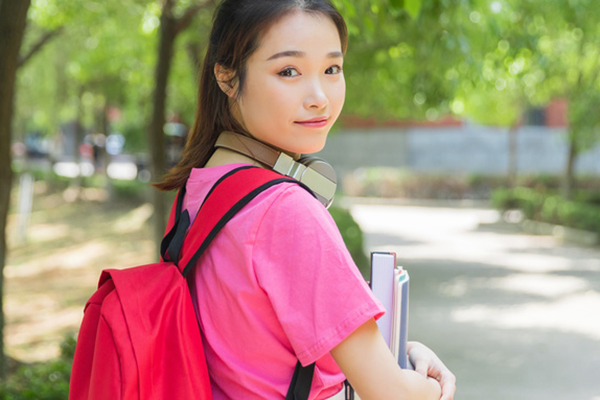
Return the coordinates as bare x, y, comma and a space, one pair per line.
469, 145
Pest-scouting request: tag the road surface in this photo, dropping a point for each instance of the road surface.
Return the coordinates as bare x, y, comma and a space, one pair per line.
514, 316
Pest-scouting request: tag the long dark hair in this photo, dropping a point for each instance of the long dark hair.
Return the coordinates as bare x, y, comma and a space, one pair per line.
237, 28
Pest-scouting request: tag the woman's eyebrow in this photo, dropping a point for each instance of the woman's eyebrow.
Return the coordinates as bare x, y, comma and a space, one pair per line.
300, 54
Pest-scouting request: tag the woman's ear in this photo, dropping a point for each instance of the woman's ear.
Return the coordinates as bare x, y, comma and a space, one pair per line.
226, 80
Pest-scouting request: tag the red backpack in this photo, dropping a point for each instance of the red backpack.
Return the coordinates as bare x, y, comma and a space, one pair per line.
140, 338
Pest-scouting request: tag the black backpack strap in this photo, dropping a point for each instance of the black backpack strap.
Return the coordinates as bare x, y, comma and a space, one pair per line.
175, 228
349, 390
180, 230
301, 382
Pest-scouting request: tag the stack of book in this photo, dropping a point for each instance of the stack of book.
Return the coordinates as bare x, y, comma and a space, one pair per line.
389, 284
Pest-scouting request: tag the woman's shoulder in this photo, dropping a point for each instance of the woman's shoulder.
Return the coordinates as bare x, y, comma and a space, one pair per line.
289, 210
293, 198
289, 199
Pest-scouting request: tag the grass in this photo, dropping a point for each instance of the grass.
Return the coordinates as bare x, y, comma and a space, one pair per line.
50, 276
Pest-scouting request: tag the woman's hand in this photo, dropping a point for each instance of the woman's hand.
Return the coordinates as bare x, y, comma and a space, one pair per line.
427, 363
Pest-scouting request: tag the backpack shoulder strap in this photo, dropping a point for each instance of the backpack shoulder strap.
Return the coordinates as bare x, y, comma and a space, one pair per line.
228, 196
172, 225
299, 388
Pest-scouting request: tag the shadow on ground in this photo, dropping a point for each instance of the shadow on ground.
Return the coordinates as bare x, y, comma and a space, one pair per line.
502, 342
514, 316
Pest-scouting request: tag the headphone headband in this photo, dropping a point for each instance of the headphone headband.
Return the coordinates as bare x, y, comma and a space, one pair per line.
311, 171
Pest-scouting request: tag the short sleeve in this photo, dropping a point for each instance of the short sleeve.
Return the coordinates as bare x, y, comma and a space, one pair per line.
302, 263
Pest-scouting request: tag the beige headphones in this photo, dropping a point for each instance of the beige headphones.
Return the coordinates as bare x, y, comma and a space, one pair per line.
311, 171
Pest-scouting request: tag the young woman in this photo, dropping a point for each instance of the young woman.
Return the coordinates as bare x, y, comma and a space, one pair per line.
278, 285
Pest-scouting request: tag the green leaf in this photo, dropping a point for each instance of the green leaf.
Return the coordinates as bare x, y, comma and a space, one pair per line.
397, 4
369, 23
413, 7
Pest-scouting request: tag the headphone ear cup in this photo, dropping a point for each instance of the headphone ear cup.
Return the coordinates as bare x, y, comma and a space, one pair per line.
320, 166
322, 181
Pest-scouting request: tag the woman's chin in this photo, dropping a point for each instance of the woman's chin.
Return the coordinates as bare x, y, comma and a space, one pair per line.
309, 149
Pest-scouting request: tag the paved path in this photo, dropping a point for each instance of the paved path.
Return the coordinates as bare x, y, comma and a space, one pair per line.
514, 316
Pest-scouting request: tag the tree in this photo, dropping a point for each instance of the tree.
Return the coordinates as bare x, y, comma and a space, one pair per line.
106, 57
568, 45
408, 59
13, 14
13, 17
491, 85
170, 27
533, 54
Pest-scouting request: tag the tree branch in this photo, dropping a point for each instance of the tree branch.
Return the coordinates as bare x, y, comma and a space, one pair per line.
193, 50
45, 38
184, 21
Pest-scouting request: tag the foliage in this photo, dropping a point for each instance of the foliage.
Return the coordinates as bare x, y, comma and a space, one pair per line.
524, 199
405, 184
43, 381
353, 237
549, 208
131, 190
394, 183
524, 54
529, 54
398, 55
104, 56
417, 59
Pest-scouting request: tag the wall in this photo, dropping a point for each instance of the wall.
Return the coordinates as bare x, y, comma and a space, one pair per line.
465, 149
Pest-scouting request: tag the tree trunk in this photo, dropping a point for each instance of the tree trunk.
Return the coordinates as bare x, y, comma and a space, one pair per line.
568, 182
156, 136
13, 16
194, 50
170, 27
105, 157
78, 136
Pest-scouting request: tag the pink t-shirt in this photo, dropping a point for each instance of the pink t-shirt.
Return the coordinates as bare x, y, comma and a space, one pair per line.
277, 285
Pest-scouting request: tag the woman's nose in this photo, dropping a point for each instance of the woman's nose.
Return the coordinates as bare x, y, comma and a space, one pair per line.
316, 97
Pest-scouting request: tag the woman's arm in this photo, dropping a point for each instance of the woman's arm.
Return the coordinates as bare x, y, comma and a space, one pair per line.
369, 366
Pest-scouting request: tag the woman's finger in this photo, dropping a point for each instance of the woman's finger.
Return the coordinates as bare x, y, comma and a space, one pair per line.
448, 384
422, 367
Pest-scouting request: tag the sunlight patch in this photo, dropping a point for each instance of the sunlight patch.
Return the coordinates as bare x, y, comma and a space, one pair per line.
571, 314
134, 220
38, 339
70, 258
542, 285
46, 232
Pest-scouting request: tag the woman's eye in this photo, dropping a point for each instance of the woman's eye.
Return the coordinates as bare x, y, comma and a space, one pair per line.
334, 69
289, 72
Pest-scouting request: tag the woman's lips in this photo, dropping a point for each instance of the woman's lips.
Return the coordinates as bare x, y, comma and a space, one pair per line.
319, 122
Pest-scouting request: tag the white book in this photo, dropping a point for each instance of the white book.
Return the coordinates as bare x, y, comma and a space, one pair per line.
389, 284
382, 275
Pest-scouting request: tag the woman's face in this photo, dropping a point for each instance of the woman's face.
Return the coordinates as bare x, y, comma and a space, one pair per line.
294, 88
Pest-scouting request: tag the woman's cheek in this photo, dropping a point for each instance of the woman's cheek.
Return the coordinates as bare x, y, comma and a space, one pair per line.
276, 98
339, 98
